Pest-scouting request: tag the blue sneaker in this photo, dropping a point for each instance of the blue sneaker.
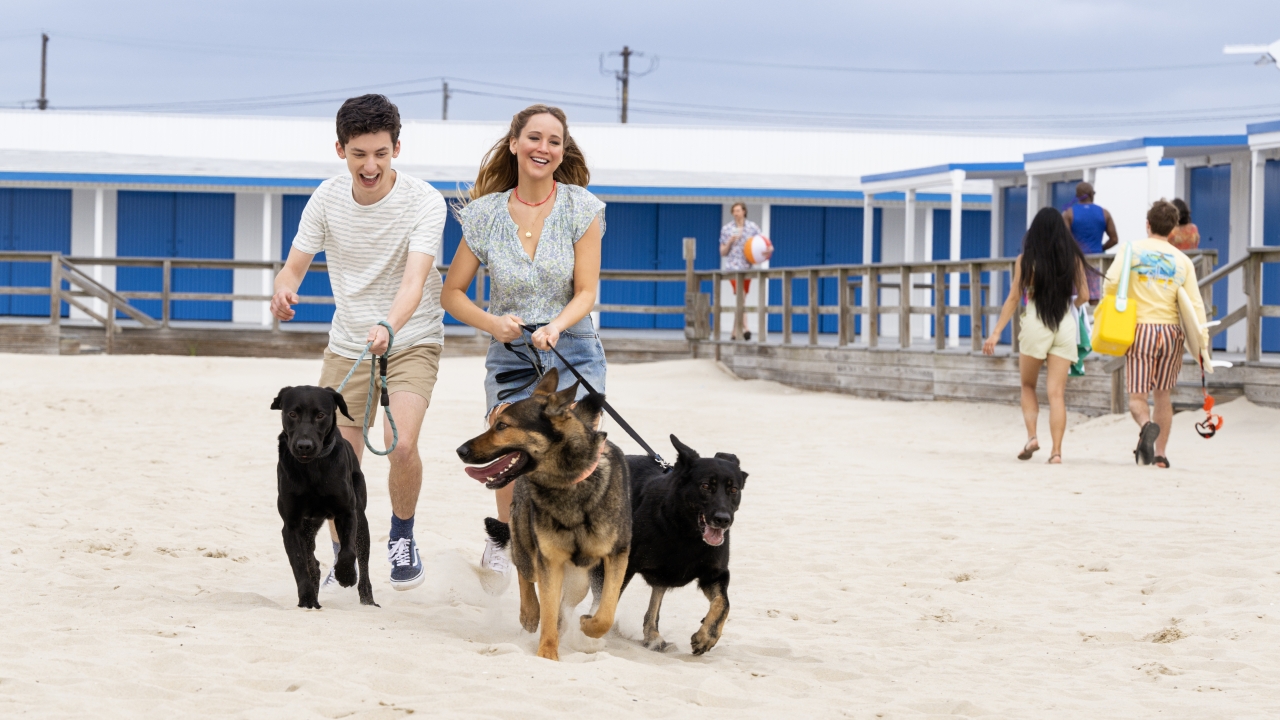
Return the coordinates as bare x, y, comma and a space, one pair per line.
406, 566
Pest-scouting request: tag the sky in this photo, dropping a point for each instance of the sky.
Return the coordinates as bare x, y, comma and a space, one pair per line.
1112, 68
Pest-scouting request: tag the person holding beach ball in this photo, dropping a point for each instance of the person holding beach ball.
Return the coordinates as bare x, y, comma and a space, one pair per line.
734, 239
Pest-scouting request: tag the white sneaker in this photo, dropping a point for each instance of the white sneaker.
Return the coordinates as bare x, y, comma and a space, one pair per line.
330, 581
495, 568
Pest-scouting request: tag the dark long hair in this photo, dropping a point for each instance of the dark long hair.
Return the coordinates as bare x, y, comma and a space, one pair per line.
1051, 259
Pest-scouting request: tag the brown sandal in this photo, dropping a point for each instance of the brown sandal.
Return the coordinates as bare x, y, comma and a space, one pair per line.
1160, 461
1055, 455
1028, 451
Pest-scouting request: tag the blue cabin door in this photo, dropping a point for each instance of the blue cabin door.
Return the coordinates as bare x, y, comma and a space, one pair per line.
315, 283
32, 221
1210, 201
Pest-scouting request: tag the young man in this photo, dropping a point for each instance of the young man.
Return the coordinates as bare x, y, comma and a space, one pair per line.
381, 230
1088, 222
1155, 358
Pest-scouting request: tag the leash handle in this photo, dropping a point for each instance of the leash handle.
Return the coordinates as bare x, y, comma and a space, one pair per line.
608, 408
376, 372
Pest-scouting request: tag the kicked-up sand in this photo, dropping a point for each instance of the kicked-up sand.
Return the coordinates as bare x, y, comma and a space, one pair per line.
890, 560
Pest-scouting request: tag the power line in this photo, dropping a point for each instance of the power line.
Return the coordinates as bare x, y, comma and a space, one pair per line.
737, 115
949, 72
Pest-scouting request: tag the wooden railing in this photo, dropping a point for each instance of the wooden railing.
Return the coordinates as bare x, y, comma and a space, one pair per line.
861, 294
933, 280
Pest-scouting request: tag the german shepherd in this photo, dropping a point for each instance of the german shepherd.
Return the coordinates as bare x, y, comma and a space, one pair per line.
571, 510
681, 523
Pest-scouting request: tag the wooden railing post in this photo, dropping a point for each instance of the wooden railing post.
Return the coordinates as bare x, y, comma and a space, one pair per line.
1253, 312
872, 292
166, 288
845, 324
813, 308
975, 307
739, 302
939, 308
110, 344
716, 280
762, 306
904, 307
55, 289
692, 324
276, 266
787, 276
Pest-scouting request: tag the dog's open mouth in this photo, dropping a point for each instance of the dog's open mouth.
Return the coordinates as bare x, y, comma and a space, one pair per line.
711, 535
500, 472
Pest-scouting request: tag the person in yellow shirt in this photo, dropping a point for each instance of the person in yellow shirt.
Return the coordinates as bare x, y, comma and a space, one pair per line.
1153, 361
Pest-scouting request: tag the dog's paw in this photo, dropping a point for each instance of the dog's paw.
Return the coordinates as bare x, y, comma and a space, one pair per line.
702, 642
594, 626
550, 651
345, 572
529, 618
657, 644
309, 603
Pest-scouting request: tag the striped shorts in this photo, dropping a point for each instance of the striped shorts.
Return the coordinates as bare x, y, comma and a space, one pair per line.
1154, 359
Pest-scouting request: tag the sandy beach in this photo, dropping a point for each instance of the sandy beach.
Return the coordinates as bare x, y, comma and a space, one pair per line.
890, 560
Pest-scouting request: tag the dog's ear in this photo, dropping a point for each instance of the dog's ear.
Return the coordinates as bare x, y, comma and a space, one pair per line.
730, 457
560, 401
590, 407
684, 454
341, 402
275, 404
548, 384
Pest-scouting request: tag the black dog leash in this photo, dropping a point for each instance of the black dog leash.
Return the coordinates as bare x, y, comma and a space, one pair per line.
536, 371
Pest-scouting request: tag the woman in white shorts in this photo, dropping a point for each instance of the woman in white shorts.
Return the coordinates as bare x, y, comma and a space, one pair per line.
1051, 276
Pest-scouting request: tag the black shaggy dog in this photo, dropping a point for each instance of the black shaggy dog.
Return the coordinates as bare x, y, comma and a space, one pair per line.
680, 533
318, 478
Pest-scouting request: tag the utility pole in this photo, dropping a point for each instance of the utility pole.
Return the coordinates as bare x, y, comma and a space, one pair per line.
444, 106
625, 76
43, 102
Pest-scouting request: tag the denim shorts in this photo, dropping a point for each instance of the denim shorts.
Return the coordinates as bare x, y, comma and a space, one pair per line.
579, 345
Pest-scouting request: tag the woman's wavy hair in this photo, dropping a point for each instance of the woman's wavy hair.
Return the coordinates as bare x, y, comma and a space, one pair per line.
499, 171
1050, 261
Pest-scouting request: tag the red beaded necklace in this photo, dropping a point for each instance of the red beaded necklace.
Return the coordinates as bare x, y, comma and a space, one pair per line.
548, 197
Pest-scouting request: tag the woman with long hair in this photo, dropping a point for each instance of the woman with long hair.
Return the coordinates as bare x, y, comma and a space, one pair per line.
1185, 235
1051, 276
532, 222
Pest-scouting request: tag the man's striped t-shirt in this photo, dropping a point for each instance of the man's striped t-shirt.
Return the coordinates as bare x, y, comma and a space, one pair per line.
367, 248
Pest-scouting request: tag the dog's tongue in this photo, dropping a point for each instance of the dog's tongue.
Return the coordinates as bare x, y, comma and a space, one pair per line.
488, 472
712, 535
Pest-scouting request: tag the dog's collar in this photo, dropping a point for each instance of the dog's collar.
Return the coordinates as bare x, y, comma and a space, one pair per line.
591, 469
332, 445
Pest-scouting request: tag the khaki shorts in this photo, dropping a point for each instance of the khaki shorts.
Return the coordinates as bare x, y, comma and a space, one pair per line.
1036, 340
411, 370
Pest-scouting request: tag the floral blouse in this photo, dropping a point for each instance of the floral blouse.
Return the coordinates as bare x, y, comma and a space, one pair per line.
1185, 237
536, 290
735, 259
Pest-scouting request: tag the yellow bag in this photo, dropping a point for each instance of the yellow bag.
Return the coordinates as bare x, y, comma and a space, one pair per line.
1116, 320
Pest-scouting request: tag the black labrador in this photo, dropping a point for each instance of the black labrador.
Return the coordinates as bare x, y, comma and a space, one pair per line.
319, 479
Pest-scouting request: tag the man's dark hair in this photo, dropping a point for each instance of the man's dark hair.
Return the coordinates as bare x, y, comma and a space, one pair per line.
1163, 217
368, 114
1084, 190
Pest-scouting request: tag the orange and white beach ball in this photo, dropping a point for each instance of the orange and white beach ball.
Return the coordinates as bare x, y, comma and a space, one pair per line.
757, 249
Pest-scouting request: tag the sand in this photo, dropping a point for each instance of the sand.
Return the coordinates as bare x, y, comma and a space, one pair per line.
890, 560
